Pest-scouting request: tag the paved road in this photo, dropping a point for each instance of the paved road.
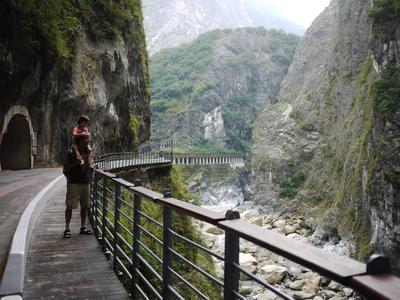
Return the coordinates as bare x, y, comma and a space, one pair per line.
17, 189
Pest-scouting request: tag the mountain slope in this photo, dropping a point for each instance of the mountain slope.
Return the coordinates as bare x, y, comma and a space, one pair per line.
331, 144
169, 23
212, 88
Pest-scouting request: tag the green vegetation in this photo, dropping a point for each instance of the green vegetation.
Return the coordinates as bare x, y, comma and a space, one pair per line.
360, 163
134, 126
177, 74
385, 10
51, 27
182, 224
235, 114
288, 186
219, 69
386, 91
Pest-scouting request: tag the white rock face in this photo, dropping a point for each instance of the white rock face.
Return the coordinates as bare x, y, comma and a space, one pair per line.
214, 125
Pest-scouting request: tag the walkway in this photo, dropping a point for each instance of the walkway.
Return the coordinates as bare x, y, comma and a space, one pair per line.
59, 268
17, 189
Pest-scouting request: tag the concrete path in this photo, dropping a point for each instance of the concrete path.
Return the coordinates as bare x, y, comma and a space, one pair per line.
17, 189
74, 268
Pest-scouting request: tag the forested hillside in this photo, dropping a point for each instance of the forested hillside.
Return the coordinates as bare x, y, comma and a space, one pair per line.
213, 88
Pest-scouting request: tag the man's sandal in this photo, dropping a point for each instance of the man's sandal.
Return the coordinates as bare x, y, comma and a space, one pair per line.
67, 234
84, 230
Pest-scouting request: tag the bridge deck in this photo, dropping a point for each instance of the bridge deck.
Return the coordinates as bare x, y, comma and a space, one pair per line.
74, 268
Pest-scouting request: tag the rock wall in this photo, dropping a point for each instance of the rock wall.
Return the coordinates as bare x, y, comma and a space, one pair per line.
105, 79
328, 147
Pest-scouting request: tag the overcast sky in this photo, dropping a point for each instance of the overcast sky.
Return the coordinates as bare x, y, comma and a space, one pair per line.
302, 12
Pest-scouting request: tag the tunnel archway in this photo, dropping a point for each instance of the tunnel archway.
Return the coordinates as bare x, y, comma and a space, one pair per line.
15, 150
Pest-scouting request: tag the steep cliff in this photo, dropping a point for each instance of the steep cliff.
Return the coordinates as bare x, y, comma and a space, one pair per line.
60, 59
212, 88
170, 23
330, 146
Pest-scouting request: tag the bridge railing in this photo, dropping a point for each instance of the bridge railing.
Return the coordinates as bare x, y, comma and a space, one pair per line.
209, 159
124, 160
143, 248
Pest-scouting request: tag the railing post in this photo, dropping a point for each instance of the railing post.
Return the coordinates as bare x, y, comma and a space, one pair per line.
104, 212
231, 273
117, 206
95, 213
378, 264
137, 201
167, 244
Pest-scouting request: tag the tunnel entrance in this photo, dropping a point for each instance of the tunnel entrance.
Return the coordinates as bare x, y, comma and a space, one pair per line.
15, 150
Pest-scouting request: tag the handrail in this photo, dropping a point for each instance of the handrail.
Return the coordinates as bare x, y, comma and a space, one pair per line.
364, 278
124, 160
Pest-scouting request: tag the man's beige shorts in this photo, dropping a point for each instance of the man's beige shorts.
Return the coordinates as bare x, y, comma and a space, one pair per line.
77, 193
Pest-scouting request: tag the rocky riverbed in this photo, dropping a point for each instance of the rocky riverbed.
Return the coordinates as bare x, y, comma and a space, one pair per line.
291, 278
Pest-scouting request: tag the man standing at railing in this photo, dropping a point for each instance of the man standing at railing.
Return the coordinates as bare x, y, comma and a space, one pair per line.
78, 189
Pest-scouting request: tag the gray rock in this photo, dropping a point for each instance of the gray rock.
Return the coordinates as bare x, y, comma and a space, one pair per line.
334, 286
302, 295
245, 290
297, 285
267, 295
327, 294
347, 292
274, 273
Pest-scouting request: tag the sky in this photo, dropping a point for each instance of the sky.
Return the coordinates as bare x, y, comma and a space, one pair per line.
302, 12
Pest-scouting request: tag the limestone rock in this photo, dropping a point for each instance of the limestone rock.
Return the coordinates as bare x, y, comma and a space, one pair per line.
268, 295
245, 290
297, 285
347, 291
280, 223
328, 294
247, 259
334, 286
214, 230
250, 214
302, 295
274, 273
256, 221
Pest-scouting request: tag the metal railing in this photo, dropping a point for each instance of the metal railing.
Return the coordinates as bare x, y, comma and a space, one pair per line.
121, 161
125, 160
209, 159
137, 229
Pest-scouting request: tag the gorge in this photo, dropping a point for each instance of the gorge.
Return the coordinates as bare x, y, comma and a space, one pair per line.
316, 116
326, 143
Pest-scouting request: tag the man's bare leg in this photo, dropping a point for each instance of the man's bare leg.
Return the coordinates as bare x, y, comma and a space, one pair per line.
68, 215
83, 216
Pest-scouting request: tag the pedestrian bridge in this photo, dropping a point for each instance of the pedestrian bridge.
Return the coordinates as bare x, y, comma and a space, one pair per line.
121, 161
146, 245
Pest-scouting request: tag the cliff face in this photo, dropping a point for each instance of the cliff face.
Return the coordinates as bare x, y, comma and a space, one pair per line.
330, 145
170, 23
212, 88
58, 61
